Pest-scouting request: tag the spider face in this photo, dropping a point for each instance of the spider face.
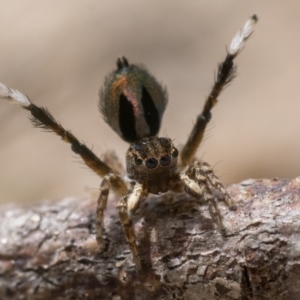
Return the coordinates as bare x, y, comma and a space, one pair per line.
132, 102
153, 163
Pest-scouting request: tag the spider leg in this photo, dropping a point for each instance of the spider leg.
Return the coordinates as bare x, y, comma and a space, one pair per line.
111, 159
42, 118
225, 74
125, 207
199, 188
197, 181
215, 182
102, 201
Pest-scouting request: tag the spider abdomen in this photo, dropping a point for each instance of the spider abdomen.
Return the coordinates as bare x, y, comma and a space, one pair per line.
132, 102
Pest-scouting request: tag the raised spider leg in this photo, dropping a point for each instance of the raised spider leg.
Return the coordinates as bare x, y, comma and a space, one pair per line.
225, 74
125, 207
42, 118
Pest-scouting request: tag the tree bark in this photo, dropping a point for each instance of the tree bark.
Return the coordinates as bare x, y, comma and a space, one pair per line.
49, 251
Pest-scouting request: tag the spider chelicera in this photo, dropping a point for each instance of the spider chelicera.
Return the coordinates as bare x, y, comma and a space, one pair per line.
132, 102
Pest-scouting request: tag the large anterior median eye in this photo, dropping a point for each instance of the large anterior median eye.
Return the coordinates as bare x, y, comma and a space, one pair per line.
151, 163
132, 102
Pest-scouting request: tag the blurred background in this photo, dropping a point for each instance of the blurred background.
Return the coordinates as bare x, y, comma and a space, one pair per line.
59, 52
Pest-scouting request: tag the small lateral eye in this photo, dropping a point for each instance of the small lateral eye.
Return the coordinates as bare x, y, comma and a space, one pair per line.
165, 160
175, 153
138, 161
151, 163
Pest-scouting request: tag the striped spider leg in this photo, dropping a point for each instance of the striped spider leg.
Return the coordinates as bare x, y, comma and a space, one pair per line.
132, 102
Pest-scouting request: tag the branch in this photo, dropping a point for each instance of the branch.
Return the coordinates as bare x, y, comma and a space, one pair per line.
49, 251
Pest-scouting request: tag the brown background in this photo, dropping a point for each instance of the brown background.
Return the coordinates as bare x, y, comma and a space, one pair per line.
58, 53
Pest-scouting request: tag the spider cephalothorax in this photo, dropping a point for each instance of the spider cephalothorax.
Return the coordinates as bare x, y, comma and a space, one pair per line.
153, 163
132, 102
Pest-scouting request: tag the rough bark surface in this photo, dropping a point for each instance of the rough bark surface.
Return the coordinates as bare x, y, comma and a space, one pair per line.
49, 251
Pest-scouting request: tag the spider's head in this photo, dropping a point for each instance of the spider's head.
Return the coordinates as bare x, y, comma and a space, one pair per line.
153, 162
132, 101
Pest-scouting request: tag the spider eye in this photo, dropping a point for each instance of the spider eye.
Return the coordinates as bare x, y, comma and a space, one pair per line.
138, 161
151, 163
175, 153
165, 160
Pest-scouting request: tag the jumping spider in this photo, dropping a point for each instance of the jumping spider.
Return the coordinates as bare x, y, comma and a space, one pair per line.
132, 102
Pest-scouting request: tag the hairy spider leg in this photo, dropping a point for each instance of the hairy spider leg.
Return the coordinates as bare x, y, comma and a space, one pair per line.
125, 207
225, 75
203, 167
195, 183
42, 118
105, 186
